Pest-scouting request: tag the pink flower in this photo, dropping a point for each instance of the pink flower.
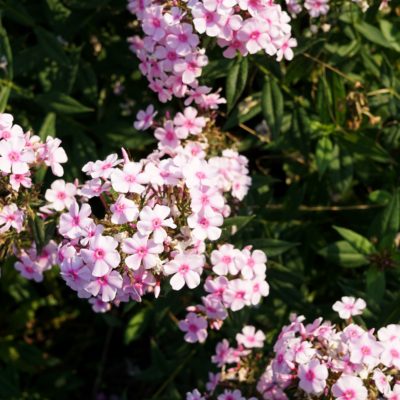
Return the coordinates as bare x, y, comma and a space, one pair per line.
254, 34
237, 294
18, 180
195, 328
313, 377
11, 217
206, 21
73, 223
144, 118
128, 180
365, 350
75, 273
285, 48
349, 388
188, 123
185, 268
252, 264
213, 308
123, 210
102, 255
206, 199
190, 68
194, 395
395, 393
99, 306
102, 168
61, 195
182, 39
382, 381
317, 7
231, 395
142, 250
223, 260
105, 286
29, 269
249, 338
167, 135
213, 380
349, 306
390, 356
153, 221
15, 156
54, 155
205, 225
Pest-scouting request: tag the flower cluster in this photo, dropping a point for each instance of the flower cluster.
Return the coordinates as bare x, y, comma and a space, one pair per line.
317, 360
235, 365
157, 216
21, 154
240, 282
170, 56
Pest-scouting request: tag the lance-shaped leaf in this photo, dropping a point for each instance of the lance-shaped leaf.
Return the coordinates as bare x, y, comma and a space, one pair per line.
236, 81
344, 254
359, 242
272, 105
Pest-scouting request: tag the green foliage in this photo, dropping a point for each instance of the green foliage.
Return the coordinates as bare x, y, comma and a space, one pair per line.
324, 205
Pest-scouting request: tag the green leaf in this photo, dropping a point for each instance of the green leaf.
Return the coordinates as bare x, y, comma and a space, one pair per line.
236, 81
50, 46
245, 110
360, 243
380, 197
273, 247
48, 127
341, 169
391, 33
323, 154
373, 34
38, 232
375, 284
272, 105
344, 254
388, 221
60, 102
136, 325
235, 224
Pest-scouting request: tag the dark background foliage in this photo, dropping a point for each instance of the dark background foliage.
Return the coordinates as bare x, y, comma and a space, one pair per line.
325, 201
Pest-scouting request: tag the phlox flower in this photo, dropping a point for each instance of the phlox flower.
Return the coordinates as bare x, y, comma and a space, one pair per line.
390, 356
73, 222
182, 39
213, 380
18, 180
102, 168
349, 306
349, 387
99, 306
75, 273
195, 328
142, 250
145, 118
128, 180
54, 155
154, 221
249, 338
61, 195
231, 395
382, 381
167, 135
186, 269
258, 288
105, 286
213, 308
237, 294
189, 123
29, 269
223, 260
313, 376
188, 70
251, 264
102, 255
365, 350
395, 393
316, 8
205, 225
94, 188
206, 21
6, 121
123, 210
11, 217
194, 395
15, 156
254, 34
389, 333
206, 199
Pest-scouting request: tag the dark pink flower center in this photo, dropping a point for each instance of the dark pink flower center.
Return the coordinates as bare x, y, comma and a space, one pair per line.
99, 254
13, 156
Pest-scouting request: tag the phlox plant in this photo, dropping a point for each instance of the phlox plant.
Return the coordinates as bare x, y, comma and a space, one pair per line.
320, 360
